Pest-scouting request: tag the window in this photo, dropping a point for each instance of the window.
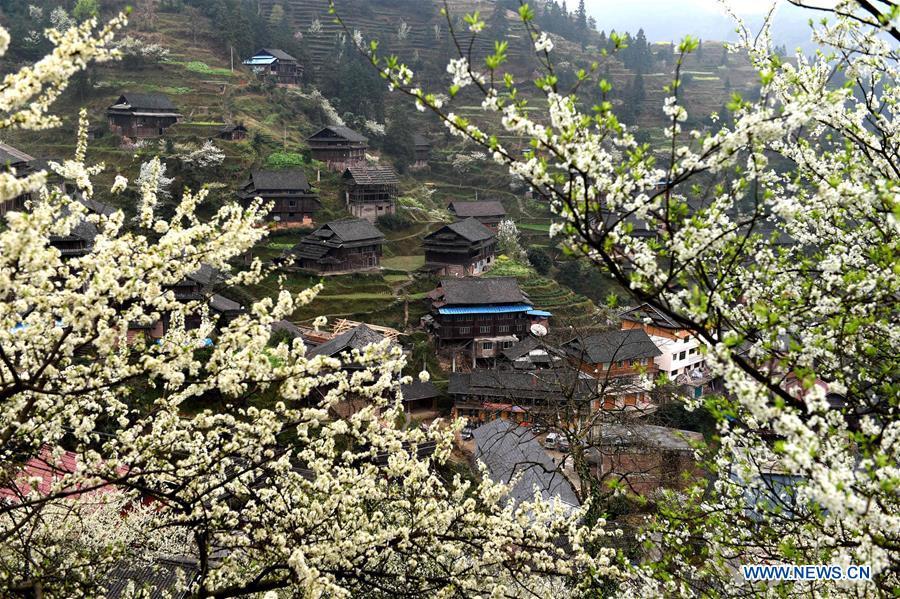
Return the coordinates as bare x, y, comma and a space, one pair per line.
692, 351
621, 363
507, 344
681, 355
487, 346
484, 329
292, 203
465, 330
503, 328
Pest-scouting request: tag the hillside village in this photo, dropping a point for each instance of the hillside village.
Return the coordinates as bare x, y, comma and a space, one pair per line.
419, 241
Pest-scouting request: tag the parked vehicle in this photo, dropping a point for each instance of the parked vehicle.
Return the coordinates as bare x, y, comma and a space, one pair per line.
466, 433
551, 440
562, 443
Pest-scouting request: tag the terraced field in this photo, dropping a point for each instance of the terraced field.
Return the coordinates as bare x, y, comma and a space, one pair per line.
569, 309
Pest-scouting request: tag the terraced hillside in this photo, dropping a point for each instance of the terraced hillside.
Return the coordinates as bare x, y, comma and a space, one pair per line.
412, 29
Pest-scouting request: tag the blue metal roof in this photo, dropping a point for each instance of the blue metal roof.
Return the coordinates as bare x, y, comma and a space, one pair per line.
259, 60
485, 309
543, 313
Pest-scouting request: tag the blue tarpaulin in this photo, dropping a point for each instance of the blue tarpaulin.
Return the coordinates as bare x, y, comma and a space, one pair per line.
541, 313
485, 309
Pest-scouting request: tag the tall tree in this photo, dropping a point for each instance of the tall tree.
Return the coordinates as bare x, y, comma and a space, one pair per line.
581, 15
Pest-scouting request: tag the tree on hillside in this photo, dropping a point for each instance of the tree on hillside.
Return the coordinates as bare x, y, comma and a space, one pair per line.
85, 9
788, 274
581, 15
276, 15
214, 443
398, 139
509, 242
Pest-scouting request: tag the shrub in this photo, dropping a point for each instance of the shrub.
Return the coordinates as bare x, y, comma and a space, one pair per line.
196, 66
393, 222
285, 160
540, 260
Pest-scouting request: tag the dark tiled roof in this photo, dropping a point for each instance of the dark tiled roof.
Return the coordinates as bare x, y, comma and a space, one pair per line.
140, 101
288, 327
556, 384
222, 304
613, 346
98, 207
279, 54
12, 156
489, 290
470, 229
340, 131
420, 140
511, 451
373, 174
522, 348
482, 208
169, 578
207, 276
356, 338
287, 178
646, 311
353, 229
419, 390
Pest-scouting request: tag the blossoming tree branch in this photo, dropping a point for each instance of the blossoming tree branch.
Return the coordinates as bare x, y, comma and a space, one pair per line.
267, 492
774, 240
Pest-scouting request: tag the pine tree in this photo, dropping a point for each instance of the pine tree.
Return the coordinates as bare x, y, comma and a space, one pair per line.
643, 58
581, 15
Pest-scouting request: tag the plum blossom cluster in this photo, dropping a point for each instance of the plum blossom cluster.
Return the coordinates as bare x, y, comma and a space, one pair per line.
230, 452
206, 156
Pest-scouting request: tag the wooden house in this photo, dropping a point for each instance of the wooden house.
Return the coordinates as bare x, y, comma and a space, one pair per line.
619, 359
225, 309
340, 246
422, 150
342, 345
295, 202
80, 240
142, 115
338, 147
492, 311
531, 353
419, 396
538, 397
370, 190
489, 213
463, 248
276, 65
13, 159
233, 132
